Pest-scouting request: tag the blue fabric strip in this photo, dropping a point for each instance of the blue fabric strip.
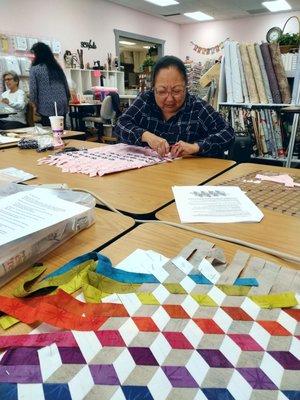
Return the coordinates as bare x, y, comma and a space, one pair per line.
104, 267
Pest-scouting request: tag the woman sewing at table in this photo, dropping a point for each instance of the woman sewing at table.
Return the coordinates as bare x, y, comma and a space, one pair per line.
16, 99
169, 119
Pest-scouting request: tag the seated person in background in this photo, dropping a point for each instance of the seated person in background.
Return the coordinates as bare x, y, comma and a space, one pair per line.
169, 119
15, 98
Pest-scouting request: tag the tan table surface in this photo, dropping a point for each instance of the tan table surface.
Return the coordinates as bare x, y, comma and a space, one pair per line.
107, 226
169, 240
277, 231
21, 134
138, 191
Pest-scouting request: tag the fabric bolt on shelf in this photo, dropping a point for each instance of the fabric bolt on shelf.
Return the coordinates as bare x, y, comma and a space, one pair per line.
104, 160
271, 73
257, 74
253, 95
263, 73
280, 73
235, 75
228, 72
242, 73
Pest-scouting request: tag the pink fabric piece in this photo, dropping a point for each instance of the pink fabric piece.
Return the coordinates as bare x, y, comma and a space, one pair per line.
105, 160
287, 180
64, 338
104, 89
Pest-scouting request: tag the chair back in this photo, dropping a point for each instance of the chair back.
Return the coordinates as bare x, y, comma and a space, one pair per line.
30, 114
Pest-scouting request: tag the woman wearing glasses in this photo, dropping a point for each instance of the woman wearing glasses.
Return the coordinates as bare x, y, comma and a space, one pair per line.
169, 119
16, 99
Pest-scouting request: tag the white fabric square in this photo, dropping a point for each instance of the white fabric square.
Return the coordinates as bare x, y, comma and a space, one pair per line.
222, 319
197, 367
159, 386
193, 333
230, 350
188, 284
200, 396
217, 295
160, 348
118, 395
190, 305
239, 387
161, 293
128, 331
260, 335
295, 347
112, 298
124, 365
88, 343
272, 369
131, 302
50, 360
30, 391
182, 264
161, 318
287, 321
80, 384
250, 308
207, 270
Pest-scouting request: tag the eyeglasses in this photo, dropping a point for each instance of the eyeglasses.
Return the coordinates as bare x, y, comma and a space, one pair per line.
175, 92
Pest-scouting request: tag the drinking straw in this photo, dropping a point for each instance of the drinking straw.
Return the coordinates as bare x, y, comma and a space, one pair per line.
55, 106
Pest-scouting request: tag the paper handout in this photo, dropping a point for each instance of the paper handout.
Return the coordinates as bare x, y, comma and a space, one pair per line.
215, 204
27, 212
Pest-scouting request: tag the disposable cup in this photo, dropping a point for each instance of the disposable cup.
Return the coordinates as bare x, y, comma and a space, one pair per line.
57, 126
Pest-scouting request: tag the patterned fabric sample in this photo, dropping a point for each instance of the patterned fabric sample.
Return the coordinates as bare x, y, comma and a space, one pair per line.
280, 73
235, 73
228, 72
271, 73
242, 72
253, 95
104, 160
264, 73
257, 74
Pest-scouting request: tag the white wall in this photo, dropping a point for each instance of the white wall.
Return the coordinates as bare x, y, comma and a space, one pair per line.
73, 21
250, 29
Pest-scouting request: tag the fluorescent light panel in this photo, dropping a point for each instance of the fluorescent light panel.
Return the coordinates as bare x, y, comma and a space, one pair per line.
278, 5
163, 3
128, 43
146, 47
199, 16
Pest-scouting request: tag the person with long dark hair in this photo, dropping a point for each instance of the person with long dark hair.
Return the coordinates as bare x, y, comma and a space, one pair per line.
169, 119
48, 83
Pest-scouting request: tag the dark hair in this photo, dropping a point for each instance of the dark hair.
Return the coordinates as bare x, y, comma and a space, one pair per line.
44, 55
14, 75
167, 62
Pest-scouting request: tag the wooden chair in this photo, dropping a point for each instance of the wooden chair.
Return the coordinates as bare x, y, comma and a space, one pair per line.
30, 114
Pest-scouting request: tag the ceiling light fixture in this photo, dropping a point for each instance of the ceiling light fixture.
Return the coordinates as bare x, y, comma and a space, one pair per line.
199, 16
146, 47
128, 43
163, 3
278, 5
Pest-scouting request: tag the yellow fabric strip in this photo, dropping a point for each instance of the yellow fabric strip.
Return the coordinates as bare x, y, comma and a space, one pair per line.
276, 300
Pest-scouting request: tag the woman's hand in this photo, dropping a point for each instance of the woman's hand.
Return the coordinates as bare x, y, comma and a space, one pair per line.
5, 101
156, 143
182, 148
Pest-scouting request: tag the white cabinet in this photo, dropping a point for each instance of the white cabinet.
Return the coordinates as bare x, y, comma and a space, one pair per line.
85, 79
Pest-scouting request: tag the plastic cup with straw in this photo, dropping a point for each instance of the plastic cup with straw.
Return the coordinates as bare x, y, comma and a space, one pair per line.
57, 126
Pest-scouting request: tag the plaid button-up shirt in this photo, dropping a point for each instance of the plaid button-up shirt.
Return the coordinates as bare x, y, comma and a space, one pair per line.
195, 122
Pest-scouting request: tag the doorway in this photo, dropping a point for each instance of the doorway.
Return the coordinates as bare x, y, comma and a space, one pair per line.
136, 55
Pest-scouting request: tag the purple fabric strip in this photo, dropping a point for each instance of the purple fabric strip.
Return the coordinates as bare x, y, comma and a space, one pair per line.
257, 378
180, 377
20, 374
104, 375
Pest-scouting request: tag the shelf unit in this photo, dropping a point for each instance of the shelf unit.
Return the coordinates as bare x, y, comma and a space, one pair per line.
288, 160
85, 79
